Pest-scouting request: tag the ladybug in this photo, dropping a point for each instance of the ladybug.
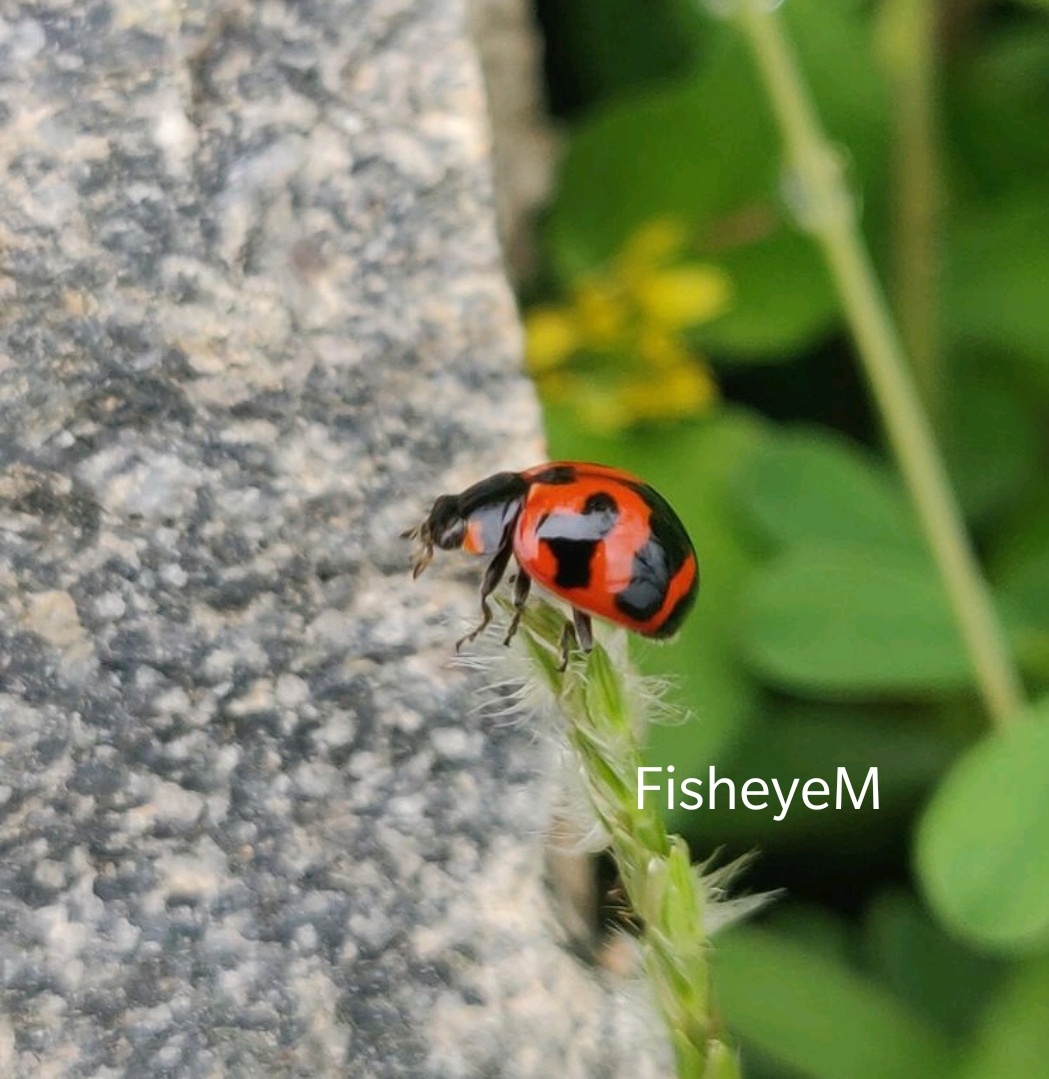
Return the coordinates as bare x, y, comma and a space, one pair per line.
600, 539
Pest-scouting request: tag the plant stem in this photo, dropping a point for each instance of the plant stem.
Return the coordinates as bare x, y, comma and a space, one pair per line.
827, 210
665, 891
910, 49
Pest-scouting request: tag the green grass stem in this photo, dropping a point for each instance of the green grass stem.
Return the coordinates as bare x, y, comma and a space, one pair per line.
665, 891
827, 210
909, 50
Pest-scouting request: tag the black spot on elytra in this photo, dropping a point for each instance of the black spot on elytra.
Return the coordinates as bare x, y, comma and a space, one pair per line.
572, 538
558, 475
601, 502
667, 530
642, 598
655, 565
573, 561
677, 614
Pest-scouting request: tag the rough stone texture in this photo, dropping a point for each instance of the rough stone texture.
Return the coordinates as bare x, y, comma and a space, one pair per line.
523, 141
251, 320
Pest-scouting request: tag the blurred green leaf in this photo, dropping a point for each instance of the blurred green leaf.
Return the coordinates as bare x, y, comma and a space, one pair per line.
1020, 572
1013, 1040
707, 152
818, 1016
995, 287
816, 928
997, 109
982, 842
813, 741
781, 299
691, 466
1024, 589
671, 153
923, 966
847, 621
992, 440
617, 45
1025, 538
1037, 5
811, 486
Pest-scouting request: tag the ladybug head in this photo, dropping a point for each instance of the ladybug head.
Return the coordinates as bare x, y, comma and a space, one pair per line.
445, 527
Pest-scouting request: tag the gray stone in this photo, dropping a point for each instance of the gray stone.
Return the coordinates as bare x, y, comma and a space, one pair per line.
253, 320
524, 144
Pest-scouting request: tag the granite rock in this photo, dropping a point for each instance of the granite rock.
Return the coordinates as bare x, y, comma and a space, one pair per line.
524, 142
252, 318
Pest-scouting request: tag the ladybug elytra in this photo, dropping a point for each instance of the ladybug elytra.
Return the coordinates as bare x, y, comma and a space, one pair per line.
600, 539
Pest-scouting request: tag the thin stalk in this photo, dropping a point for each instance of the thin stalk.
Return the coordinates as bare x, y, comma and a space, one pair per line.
827, 210
668, 895
910, 52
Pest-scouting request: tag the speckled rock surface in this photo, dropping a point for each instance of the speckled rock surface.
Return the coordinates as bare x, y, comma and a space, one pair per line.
523, 140
252, 318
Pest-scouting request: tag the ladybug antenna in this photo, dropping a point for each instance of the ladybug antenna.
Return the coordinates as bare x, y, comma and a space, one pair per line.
422, 560
424, 552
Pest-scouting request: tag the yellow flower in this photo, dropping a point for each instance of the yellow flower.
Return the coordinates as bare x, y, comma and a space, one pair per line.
653, 244
659, 349
615, 350
682, 391
550, 338
683, 296
600, 312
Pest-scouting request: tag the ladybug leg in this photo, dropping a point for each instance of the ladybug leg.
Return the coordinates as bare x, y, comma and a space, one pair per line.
492, 576
579, 631
583, 629
565, 646
521, 588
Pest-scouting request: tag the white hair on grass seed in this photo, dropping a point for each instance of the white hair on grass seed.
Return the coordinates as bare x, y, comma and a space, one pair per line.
516, 692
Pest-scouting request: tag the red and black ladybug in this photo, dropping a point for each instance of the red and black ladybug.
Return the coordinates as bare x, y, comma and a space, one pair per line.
599, 538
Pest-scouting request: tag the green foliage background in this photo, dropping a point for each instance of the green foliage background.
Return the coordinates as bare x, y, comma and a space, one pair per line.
913, 940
